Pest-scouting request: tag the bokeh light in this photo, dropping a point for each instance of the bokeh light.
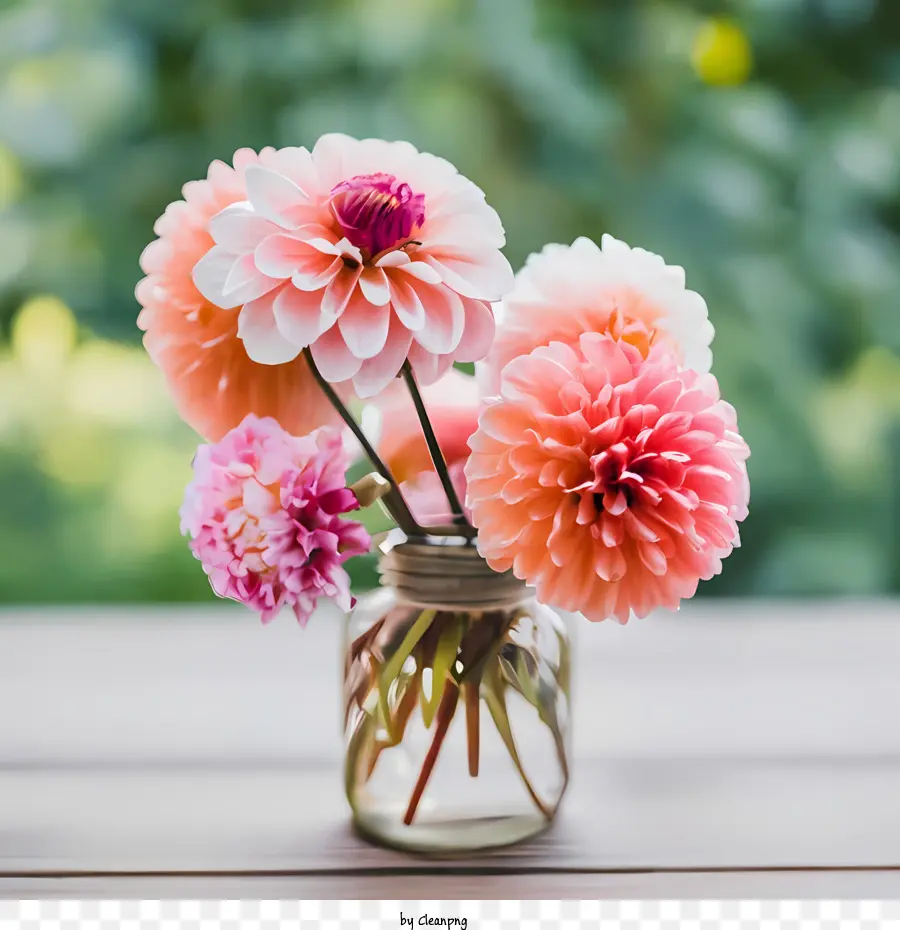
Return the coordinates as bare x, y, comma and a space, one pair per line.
43, 334
721, 53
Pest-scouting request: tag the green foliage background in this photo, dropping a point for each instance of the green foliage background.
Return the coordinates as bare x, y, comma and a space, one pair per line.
756, 142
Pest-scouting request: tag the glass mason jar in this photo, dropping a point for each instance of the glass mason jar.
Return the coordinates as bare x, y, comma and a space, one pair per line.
456, 696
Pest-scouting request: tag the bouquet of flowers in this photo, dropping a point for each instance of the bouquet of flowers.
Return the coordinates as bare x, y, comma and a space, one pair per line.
592, 457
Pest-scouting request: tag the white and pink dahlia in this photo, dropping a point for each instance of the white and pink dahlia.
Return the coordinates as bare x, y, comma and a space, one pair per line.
264, 515
630, 293
611, 482
368, 252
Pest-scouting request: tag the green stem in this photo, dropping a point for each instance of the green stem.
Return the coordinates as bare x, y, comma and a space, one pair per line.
437, 456
496, 702
394, 500
405, 708
392, 668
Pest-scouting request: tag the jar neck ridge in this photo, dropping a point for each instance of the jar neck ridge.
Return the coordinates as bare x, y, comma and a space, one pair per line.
447, 573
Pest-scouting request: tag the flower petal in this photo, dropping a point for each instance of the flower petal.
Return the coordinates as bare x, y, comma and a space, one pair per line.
298, 315
276, 197
325, 246
478, 333
374, 285
650, 520
393, 259
376, 373
472, 232
210, 273
239, 228
364, 326
281, 255
316, 273
488, 278
260, 335
245, 282
334, 360
295, 162
258, 500
406, 303
339, 290
445, 319
330, 155
421, 270
428, 366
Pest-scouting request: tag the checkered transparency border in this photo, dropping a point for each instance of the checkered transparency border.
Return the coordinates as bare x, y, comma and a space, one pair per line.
465, 915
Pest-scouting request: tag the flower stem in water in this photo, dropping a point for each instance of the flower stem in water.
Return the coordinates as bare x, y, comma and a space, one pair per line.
473, 721
496, 702
445, 712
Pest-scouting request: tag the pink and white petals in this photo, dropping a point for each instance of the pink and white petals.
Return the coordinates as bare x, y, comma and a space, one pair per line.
374, 253
566, 290
262, 340
264, 514
427, 498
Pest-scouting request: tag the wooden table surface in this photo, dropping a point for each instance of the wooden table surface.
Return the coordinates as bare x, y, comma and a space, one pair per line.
735, 749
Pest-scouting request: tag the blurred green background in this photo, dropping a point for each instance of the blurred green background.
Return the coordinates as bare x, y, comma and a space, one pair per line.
756, 142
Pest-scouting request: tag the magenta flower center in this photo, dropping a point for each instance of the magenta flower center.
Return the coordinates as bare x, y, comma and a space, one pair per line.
627, 473
377, 212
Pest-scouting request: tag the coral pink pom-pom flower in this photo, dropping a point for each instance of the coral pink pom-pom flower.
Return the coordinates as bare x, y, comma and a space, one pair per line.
263, 513
214, 382
566, 290
610, 482
369, 252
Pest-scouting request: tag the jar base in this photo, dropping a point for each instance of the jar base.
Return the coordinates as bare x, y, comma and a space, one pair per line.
449, 838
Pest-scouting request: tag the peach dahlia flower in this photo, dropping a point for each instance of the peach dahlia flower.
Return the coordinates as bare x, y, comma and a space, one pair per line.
196, 344
369, 252
566, 290
610, 482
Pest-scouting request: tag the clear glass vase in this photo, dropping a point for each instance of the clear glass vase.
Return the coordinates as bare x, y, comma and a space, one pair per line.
456, 698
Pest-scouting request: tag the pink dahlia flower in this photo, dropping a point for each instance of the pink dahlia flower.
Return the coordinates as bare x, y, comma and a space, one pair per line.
610, 482
426, 496
565, 291
263, 513
214, 382
453, 404
369, 252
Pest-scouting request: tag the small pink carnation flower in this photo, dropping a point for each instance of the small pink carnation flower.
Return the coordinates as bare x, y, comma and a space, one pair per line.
263, 513
368, 252
610, 482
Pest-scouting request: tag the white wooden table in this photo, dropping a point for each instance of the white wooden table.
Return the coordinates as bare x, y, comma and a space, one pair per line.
736, 749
